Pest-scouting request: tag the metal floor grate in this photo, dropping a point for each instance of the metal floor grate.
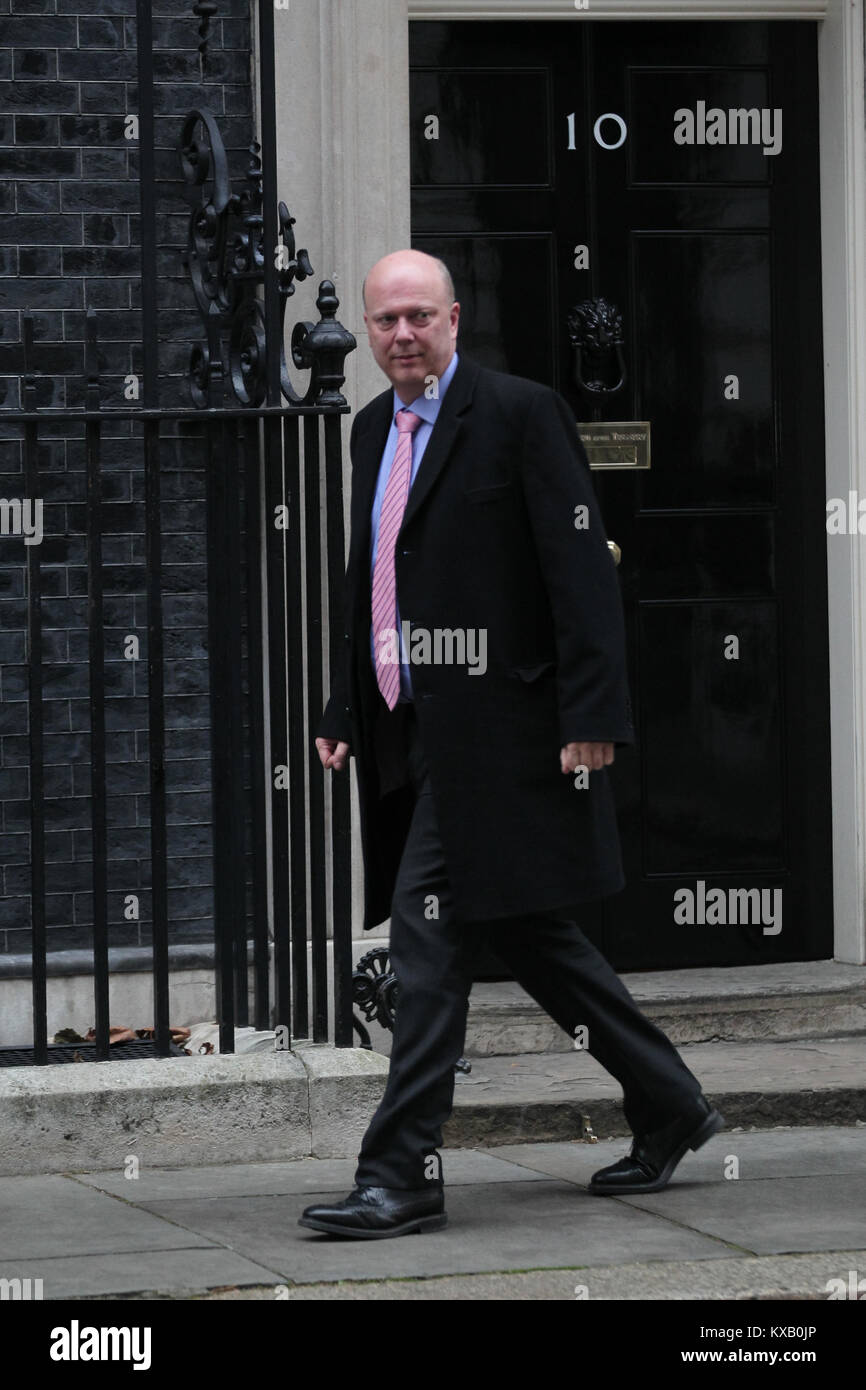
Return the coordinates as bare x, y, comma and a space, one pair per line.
86, 1052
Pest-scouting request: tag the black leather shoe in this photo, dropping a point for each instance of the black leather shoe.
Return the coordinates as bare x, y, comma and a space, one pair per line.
653, 1157
374, 1213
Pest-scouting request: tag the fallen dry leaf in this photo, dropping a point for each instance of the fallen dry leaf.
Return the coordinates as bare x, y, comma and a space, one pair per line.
115, 1035
178, 1035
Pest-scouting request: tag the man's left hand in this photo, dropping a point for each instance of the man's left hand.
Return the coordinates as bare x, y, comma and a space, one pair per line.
591, 755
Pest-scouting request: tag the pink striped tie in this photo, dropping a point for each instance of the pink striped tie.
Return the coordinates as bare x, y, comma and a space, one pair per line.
384, 581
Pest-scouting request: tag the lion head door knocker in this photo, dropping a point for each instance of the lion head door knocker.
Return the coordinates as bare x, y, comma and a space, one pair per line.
595, 330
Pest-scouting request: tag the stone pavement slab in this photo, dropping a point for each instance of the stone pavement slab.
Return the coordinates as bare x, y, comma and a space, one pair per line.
761, 1154
46, 1216
785, 1215
498, 1226
119, 1273
518, 1213
757, 1277
306, 1175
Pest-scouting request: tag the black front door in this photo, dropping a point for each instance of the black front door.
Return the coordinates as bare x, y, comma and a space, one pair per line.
672, 170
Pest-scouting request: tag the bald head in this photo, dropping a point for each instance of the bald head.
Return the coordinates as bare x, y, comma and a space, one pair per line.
398, 259
411, 316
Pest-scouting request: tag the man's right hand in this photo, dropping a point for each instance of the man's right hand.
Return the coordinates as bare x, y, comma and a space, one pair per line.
332, 753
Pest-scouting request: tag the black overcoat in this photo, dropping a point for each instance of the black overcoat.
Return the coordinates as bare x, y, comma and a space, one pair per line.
492, 538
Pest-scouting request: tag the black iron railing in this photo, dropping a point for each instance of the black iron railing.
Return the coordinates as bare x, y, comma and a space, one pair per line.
273, 464
300, 463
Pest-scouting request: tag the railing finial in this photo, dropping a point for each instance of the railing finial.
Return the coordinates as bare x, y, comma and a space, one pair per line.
225, 257
205, 10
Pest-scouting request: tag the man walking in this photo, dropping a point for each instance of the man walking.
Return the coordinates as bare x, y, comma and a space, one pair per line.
483, 694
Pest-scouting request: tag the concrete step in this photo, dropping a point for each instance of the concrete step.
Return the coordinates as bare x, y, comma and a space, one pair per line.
771, 1044
555, 1096
318, 1100
803, 999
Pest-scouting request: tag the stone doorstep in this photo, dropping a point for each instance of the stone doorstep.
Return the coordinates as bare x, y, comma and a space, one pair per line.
477, 1124
317, 1101
753, 1084
474, 1125
801, 999
314, 1101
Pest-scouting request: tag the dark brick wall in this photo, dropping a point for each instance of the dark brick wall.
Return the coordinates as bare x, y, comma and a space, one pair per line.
69, 238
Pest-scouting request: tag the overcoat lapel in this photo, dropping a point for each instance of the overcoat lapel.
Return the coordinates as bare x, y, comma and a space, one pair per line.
449, 423
370, 445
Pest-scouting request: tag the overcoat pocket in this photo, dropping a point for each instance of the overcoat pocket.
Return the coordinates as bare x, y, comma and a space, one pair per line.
491, 493
532, 673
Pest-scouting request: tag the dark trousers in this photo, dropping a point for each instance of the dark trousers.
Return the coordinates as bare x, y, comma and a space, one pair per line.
432, 954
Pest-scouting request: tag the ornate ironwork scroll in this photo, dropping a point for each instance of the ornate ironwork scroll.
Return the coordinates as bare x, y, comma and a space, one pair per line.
375, 989
225, 258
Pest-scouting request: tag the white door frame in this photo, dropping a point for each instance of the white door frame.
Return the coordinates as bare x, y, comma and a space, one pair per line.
620, 9
843, 273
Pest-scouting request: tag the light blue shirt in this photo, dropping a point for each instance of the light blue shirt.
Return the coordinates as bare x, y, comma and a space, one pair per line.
428, 412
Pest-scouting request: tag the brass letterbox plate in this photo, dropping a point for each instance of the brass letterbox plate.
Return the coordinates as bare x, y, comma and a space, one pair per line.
617, 443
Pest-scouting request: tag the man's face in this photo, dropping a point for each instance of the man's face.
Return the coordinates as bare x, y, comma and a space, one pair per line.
412, 326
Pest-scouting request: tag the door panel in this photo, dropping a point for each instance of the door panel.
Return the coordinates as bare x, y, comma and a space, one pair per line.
702, 304
506, 333
481, 144
558, 136
654, 158
696, 700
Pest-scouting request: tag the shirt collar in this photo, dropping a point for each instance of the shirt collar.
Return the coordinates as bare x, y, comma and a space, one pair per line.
425, 409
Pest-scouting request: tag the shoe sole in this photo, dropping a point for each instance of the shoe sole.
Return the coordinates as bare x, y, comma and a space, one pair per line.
421, 1225
705, 1130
